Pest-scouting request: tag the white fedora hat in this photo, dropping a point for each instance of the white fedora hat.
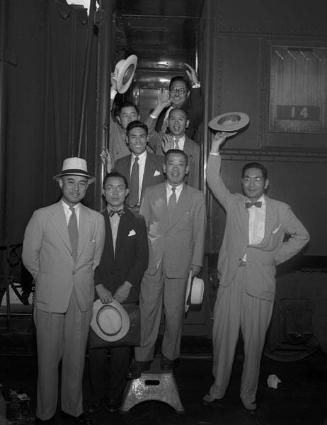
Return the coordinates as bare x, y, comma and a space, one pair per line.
74, 167
124, 73
194, 291
110, 321
230, 121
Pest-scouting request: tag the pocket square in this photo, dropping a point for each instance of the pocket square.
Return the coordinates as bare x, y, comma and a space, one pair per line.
276, 230
156, 173
132, 232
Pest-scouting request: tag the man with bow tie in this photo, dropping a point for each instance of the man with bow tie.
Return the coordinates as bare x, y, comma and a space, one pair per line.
118, 276
254, 243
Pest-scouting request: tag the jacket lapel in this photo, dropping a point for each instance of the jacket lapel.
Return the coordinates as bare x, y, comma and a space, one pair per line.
60, 223
148, 173
83, 229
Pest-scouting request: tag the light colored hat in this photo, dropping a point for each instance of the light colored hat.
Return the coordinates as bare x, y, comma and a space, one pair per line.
110, 321
230, 121
124, 73
194, 291
74, 167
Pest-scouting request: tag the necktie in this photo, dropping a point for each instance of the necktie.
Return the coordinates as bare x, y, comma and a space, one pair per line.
172, 202
73, 232
118, 212
133, 198
257, 204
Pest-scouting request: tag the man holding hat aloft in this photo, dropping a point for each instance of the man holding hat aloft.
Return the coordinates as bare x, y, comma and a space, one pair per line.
62, 247
117, 284
254, 243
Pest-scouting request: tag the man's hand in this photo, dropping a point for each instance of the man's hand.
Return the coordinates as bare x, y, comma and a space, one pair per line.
195, 270
163, 102
122, 292
167, 142
113, 82
106, 160
190, 72
104, 294
219, 140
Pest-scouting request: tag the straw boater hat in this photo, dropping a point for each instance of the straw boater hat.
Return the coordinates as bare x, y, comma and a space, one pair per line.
230, 121
110, 321
74, 167
194, 291
124, 73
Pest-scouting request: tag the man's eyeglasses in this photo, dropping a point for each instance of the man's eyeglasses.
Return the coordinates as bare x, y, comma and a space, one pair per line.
178, 91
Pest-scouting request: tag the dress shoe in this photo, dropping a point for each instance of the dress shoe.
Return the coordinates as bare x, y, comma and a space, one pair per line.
112, 405
209, 400
39, 421
95, 407
137, 368
167, 365
82, 419
250, 407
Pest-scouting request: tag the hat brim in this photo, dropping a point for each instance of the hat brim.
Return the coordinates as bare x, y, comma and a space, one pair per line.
97, 306
81, 173
126, 74
230, 121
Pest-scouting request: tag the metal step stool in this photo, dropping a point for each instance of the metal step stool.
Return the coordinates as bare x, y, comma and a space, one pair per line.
152, 385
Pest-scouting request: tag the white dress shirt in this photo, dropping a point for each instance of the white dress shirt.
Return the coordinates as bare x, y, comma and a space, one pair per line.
169, 191
68, 212
257, 221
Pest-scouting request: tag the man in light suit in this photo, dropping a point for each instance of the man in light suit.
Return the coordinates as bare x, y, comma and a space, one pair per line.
118, 276
177, 139
175, 216
254, 243
141, 168
62, 247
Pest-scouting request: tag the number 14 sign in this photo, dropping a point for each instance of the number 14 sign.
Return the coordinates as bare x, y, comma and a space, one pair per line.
298, 112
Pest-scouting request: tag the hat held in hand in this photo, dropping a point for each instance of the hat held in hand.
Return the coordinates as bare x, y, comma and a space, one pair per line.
110, 321
230, 121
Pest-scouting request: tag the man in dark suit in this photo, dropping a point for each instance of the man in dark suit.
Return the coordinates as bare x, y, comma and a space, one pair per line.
141, 168
62, 247
177, 139
118, 276
175, 217
254, 243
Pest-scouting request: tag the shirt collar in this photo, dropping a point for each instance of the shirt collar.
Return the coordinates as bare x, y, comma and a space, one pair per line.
141, 157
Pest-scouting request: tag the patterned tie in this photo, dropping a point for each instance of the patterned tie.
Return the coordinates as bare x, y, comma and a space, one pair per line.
257, 204
172, 202
133, 198
73, 232
176, 143
118, 212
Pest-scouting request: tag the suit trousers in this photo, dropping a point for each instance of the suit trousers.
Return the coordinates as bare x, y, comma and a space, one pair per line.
236, 310
106, 383
61, 336
160, 292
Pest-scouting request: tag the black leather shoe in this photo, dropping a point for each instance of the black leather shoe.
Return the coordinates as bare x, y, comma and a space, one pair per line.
167, 365
137, 368
112, 405
82, 419
39, 421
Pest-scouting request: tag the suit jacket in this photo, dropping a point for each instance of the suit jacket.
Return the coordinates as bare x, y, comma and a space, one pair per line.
180, 243
262, 258
47, 255
153, 173
191, 149
193, 106
130, 259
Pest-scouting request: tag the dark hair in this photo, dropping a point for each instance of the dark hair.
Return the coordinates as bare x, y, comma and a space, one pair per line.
177, 109
128, 105
136, 124
176, 151
114, 173
180, 78
255, 165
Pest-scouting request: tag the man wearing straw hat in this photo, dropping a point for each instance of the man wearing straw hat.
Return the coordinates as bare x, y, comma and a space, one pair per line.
62, 247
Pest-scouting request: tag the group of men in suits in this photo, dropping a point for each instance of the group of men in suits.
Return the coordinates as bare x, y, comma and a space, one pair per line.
142, 249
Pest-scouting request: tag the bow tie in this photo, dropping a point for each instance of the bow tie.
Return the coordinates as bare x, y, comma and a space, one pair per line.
118, 212
257, 204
